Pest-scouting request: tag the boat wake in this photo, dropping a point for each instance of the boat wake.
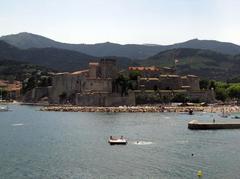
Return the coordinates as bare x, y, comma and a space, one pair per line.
182, 141
18, 124
142, 143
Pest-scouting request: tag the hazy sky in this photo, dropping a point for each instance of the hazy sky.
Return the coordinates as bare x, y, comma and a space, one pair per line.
123, 21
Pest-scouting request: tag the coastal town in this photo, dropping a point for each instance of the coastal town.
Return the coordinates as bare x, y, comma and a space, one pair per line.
129, 89
104, 88
103, 85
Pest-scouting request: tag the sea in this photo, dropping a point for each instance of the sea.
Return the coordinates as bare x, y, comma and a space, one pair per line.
72, 145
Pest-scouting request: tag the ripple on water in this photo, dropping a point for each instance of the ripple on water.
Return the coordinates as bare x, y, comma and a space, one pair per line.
73, 145
142, 142
17, 124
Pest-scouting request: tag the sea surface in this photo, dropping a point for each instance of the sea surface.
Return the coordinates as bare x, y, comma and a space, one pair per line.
36, 144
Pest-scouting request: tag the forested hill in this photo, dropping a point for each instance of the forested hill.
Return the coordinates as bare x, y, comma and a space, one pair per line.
204, 63
134, 51
57, 59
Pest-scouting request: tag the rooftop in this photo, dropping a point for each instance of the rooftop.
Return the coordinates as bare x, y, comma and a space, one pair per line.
150, 79
169, 76
93, 64
11, 86
141, 68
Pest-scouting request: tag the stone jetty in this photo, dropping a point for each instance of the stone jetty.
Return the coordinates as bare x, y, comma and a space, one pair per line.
134, 109
103, 109
195, 125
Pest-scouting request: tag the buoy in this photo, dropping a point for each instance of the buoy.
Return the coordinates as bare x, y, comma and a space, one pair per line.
199, 173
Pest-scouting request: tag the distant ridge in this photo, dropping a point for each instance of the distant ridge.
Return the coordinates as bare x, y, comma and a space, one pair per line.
54, 58
26, 40
204, 63
58, 59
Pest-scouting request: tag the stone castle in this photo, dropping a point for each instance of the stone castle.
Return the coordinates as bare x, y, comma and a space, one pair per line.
91, 87
96, 86
164, 79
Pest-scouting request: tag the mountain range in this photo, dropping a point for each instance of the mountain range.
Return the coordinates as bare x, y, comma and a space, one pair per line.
207, 61
54, 58
26, 40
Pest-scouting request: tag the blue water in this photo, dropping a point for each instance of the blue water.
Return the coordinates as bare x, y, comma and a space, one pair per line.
35, 144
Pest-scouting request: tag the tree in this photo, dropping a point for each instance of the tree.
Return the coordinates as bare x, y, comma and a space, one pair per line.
212, 85
45, 81
221, 94
180, 97
123, 83
133, 75
204, 84
29, 84
220, 84
234, 91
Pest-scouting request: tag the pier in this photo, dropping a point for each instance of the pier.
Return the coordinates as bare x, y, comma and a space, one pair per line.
195, 125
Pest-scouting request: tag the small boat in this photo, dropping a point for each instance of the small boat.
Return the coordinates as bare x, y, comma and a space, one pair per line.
4, 108
117, 141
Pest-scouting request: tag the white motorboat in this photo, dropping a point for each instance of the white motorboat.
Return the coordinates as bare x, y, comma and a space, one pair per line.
117, 141
4, 108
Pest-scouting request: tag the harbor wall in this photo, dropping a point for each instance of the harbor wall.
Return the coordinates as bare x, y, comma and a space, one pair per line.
105, 99
195, 125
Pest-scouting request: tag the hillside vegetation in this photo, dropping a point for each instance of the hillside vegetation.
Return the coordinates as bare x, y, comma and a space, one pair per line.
57, 59
204, 63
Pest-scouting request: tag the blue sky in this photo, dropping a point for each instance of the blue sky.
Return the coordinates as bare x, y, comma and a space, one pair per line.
123, 21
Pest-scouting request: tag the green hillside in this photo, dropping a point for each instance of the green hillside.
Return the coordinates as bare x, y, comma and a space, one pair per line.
14, 70
57, 59
204, 63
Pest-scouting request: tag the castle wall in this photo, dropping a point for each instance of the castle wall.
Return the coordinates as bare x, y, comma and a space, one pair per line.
101, 85
193, 82
108, 68
148, 83
105, 99
202, 95
118, 100
163, 82
65, 83
93, 70
36, 94
149, 97
169, 82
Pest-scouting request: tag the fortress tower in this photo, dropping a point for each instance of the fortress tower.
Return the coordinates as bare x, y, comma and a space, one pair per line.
108, 68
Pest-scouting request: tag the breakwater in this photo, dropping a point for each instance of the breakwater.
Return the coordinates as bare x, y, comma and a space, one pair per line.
195, 125
211, 109
102, 109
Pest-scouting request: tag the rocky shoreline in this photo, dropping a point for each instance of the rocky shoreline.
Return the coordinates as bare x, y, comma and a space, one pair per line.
134, 109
